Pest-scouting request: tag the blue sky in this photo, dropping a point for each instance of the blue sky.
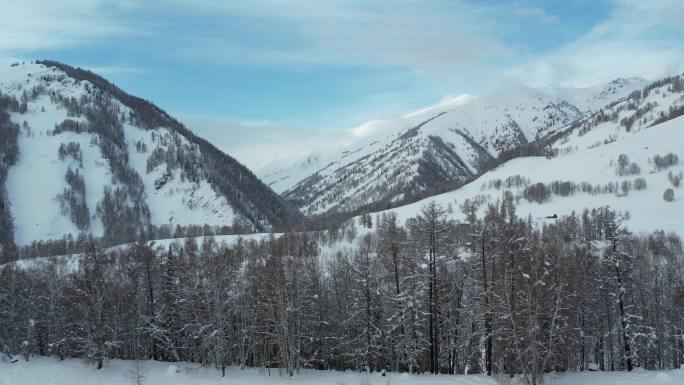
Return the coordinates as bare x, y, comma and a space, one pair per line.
259, 77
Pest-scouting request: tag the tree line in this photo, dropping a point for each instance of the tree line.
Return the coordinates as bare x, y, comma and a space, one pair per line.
9, 153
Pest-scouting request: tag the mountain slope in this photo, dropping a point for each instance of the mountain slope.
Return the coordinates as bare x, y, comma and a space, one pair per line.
446, 145
588, 177
83, 156
626, 155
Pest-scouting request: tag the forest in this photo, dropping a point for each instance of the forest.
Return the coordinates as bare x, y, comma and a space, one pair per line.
495, 294
9, 151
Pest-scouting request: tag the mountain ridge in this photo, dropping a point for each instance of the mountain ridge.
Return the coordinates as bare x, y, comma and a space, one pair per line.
129, 166
484, 128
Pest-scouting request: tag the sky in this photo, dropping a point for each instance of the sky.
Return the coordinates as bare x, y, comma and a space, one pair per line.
272, 79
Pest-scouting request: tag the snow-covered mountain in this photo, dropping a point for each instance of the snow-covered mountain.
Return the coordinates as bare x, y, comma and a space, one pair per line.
440, 147
78, 155
626, 156
112, 164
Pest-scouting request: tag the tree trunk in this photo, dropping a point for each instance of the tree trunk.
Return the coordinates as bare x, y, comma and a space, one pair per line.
150, 289
487, 320
623, 320
610, 333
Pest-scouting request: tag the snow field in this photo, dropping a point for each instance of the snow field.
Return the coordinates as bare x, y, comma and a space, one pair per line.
43, 371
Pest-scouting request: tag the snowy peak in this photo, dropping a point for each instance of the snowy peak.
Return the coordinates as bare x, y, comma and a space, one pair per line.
446, 144
591, 99
619, 87
281, 178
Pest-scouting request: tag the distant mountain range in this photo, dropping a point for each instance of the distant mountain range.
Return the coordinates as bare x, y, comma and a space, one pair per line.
80, 156
442, 147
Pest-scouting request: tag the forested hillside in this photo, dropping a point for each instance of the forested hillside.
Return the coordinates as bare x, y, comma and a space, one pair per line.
114, 166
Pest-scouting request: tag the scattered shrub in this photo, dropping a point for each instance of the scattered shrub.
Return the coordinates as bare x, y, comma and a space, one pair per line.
639, 184
663, 162
625, 168
537, 192
563, 188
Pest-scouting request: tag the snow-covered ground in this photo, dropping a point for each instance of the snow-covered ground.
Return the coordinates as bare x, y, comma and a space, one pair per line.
177, 201
71, 261
327, 251
34, 182
44, 371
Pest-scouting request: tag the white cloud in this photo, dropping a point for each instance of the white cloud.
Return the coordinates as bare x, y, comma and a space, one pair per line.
435, 43
374, 126
458, 100
535, 14
258, 144
367, 128
430, 36
443, 39
28, 25
639, 38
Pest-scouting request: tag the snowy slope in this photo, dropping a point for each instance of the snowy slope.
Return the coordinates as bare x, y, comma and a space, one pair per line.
282, 177
591, 99
327, 251
177, 201
595, 165
449, 142
161, 172
38, 177
370, 135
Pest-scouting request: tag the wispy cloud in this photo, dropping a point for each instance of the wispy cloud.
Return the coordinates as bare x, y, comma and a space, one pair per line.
29, 25
342, 61
109, 70
430, 36
639, 38
258, 144
535, 14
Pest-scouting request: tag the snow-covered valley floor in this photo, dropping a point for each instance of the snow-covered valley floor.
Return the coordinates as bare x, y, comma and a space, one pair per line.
44, 371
